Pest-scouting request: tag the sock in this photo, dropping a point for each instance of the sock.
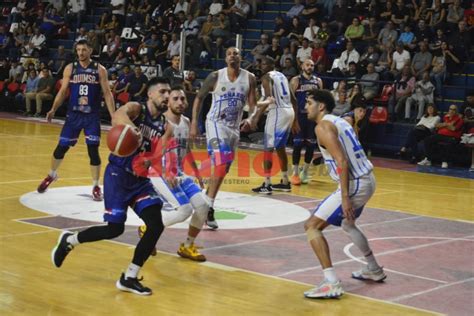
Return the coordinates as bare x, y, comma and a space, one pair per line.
210, 201
371, 262
268, 181
330, 275
95, 183
189, 241
305, 168
73, 240
284, 176
295, 170
132, 271
52, 173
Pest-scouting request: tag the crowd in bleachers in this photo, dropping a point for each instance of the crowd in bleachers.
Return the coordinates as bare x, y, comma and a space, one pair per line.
395, 53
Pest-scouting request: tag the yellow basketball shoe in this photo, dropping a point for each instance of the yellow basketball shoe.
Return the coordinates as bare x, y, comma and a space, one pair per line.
190, 252
141, 232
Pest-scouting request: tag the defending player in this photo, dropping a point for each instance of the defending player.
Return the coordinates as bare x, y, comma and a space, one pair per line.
231, 88
85, 79
187, 195
124, 188
347, 165
280, 118
304, 136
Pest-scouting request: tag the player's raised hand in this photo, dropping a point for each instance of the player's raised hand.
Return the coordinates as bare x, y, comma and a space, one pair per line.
50, 115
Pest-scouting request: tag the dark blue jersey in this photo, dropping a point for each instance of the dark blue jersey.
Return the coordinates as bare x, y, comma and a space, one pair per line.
150, 128
304, 86
85, 88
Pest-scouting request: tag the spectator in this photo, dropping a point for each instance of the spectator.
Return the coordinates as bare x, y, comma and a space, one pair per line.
404, 85
310, 10
113, 24
181, 6
31, 87
149, 46
123, 81
275, 51
386, 14
238, 16
4, 69
461, 41
82, 35
420, 132
16, 71
318, 54
304, 52
352, 75
205, 33
94, 42
341, 15
370, 86
215, 8
435, 43
261, 48
51, 23
400, 58
174, 46
438, 14
469, 16
355, 31
311, 31
354, 92
422, 12
407, 38
342, 104
288, 69
43, 92
339, 87
370, 56
371, 32
281, 30
400, 15
191, 84
422, 32
385, 61
149, 68
221, 27
455, 15
448, 133
356, 116
118, 9
26, 74
113, 47
60, 60
439, 63
286, 54
421, 61
37, 44
423, 94
295, 10
191, 28
295, 33
173, 73
387, 35
119, 62
75, 12
137, 85
347, 56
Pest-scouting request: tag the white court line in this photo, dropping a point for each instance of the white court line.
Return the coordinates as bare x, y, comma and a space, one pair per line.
407, 296
37, 180
303, 234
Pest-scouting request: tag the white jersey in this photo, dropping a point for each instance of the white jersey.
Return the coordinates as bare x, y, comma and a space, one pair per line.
280, 90
181, 135
359, 165
229, 98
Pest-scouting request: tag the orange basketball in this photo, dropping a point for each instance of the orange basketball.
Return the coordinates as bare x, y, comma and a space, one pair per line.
123, 140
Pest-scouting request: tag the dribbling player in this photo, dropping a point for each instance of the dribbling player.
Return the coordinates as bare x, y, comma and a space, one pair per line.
350, 168
231, 88
85, 79
123, 188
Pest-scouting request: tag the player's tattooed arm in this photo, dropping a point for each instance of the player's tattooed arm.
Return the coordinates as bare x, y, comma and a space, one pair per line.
59, 99
207, 86
108, 97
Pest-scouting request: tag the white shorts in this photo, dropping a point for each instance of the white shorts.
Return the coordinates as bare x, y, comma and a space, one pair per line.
179, 195
360, 191
278, 127
222, 142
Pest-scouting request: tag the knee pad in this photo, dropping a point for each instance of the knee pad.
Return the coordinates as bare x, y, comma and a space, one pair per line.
115, 230
60, 151
93, 151
184, 211
347, 226
313, 233
201, 208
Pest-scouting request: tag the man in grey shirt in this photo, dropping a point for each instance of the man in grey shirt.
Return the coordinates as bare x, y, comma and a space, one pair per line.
43, 92
370, 88
421, 61
387, 35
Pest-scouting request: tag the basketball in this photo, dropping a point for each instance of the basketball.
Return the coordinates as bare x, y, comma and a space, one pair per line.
123, 140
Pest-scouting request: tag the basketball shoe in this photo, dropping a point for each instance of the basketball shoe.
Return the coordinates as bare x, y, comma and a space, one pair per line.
304, 177
295, 179
190, 252
263, 189
132, 285
141, 232
97, 193
282, 187
62, 249
366, 274
325, 290
211, 221
45, 183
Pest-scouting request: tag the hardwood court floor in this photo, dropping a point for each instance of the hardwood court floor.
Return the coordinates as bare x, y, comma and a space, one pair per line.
30, 285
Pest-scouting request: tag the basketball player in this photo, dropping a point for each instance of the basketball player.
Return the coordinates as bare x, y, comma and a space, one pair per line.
350, 168
280, 118
231, 88
123, 188
304, 132
187, 195
85, 79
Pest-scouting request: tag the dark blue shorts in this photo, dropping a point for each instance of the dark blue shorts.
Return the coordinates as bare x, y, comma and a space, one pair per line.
122, 189
306, 133
75, 123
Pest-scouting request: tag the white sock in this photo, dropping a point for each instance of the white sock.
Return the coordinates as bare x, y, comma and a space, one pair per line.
189, 241
268, 181
305, 168
73, 240
284, 176
371, 262
210, 201
52, 173
330, 275
296, 170
95, 183
132, 271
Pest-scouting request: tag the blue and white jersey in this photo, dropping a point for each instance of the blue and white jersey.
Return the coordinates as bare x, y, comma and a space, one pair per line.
280, 90
181, 135
305, 85
229, 99
85, 88
359, 164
